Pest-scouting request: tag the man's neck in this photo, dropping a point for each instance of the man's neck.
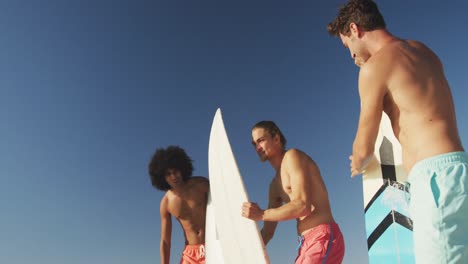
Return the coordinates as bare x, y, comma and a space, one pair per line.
378, 39
276, 160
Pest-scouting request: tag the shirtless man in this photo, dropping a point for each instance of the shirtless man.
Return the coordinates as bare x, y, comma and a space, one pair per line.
185, 199
296, 192
406, 79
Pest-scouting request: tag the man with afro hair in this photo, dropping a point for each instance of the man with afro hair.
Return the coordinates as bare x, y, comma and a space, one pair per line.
185, 199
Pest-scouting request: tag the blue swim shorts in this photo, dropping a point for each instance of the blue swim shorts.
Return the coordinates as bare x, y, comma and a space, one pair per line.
439, 208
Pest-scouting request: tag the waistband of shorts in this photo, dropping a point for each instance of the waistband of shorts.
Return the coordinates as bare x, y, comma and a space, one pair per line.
197, 246
438, 161
318, 228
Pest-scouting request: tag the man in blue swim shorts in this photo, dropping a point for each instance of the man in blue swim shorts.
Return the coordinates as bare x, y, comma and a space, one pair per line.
406, 79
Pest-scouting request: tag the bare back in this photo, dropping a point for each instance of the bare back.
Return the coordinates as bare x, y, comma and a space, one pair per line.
418, 101
189, 209
313, 189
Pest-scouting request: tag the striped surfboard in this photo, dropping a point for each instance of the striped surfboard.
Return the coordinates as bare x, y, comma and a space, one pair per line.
389, 228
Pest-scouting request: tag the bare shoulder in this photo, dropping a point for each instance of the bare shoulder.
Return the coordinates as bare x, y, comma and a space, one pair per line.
199, 179
295, 153
424, 51
411, 48
296, 156
374, 74
382, 61
416, 44
419, 48
200, 182
388, 55
163, 206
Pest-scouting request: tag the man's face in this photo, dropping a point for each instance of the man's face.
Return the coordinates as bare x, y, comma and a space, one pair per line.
265, 145
173, 177
356, 48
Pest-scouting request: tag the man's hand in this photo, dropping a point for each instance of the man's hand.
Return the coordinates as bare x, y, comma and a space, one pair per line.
252, 211
369, 164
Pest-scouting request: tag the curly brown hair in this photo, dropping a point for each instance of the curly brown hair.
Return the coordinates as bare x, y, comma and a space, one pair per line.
173, 157
364, 13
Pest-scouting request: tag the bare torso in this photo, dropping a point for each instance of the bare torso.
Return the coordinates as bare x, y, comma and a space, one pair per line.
418, 101
281, 187
189, 209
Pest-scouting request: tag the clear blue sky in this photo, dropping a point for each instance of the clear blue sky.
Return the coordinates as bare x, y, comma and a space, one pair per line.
89, 89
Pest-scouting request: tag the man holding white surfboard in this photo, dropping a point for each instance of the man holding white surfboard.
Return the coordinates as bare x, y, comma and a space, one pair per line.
406, 79
297, 191
185, 199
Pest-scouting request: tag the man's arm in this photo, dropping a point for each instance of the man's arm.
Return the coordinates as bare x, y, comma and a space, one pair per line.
166, 232
274, 201
372, 90
295, 164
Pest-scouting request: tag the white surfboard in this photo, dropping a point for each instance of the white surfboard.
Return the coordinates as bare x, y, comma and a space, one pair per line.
388, 225
212, 242
238, 237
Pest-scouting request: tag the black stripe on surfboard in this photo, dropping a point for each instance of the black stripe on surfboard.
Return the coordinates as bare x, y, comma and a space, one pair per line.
388, 172
382, 188
386, 223
387, 167
387, 160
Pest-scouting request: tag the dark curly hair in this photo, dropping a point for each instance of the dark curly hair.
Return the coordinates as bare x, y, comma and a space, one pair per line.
363, 13
273, 129
173, 157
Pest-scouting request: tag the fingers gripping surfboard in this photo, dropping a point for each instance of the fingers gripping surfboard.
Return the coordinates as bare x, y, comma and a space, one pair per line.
386, 196
237, 238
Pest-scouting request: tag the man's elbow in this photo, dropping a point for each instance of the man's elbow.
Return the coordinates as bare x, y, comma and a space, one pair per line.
362, 151
165, 244
305, 208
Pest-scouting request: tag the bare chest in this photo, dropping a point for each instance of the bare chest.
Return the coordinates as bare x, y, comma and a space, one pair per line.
184, 208
283, 187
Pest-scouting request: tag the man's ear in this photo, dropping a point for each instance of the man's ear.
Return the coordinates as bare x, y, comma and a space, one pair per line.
277, 138
355, 30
